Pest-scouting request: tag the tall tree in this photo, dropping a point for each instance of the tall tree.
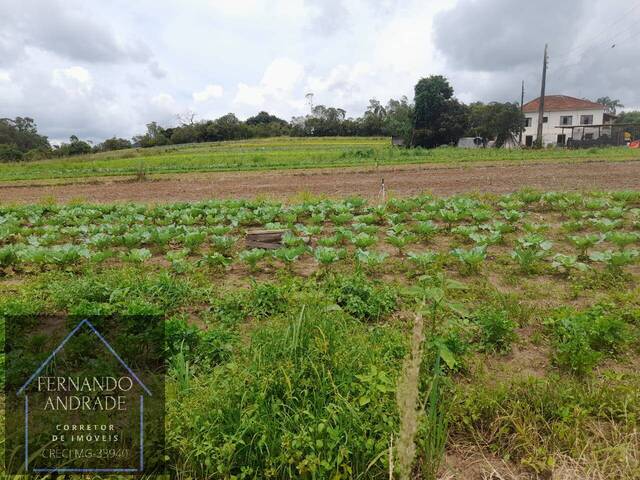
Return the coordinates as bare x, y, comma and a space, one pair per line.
439, 118
264, 118
495, 121
22, 133
611, 104
155, 136
399, 119
113, 144
74, 147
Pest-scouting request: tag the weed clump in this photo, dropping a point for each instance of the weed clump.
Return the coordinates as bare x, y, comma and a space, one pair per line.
582, 339
497, 330
363, 299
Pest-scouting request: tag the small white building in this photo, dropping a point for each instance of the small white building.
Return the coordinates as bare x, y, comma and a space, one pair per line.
472, 142
579, 117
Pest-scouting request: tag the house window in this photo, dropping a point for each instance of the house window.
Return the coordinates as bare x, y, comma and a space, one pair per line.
545, 119
527, 121
528, 141
586, 119
562, 138
588, 136
566, 120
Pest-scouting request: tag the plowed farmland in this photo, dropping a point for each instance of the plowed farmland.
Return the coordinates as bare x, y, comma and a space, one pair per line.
400, 180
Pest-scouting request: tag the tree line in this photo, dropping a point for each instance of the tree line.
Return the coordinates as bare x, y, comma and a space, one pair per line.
434, 118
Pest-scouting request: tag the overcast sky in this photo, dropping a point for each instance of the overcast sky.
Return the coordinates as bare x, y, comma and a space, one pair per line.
98, 69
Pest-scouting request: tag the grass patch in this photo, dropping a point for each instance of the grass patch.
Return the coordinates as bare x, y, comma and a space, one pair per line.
281, 153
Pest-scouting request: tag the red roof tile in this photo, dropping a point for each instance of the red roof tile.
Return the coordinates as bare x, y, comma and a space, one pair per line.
559, 103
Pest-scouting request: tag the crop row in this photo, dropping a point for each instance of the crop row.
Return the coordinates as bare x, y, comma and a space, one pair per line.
583, 228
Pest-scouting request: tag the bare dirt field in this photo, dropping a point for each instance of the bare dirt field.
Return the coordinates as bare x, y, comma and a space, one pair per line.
399, 181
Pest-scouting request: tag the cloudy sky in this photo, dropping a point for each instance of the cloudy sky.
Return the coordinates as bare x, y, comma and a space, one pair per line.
98, 69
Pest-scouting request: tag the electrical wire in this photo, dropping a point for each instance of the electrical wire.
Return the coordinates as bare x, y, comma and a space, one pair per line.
584, 46
599, 50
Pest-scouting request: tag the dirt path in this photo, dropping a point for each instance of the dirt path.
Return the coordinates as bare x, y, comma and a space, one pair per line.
401, 181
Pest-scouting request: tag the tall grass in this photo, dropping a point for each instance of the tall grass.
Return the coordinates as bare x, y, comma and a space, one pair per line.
407, 398
422, 424
311, 396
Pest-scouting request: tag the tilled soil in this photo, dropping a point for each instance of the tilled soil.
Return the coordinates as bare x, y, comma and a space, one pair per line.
399, 181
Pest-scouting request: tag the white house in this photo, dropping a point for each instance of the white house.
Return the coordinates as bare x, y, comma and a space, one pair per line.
581, 119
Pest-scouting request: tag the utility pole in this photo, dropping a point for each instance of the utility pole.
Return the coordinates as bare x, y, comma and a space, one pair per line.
542, 92
521, 112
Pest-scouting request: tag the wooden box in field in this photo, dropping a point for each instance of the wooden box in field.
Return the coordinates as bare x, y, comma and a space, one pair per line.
269, 239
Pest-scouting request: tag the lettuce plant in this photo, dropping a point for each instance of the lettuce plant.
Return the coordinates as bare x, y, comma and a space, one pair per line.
567, 263
583, 243
471, 259
137, 255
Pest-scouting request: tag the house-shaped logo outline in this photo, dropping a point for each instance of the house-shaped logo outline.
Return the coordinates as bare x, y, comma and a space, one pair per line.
35, 374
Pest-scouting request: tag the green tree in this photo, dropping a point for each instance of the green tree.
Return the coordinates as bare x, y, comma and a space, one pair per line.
495, 121
629, 117
266, 125
228, 127
22, 133
323, 122
264, 118
113, 144
439, 118
188, 133
373, 119
10, 153
611, 104
399, 119
74, 147
155, 136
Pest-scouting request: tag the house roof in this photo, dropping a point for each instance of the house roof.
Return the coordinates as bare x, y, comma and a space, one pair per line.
560, 103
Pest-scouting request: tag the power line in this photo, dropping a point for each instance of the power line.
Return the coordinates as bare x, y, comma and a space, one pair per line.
606, 43
606, 29
599, 49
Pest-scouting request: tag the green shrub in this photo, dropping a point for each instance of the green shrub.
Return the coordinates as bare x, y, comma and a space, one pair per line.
216, 345
581, 339
229, 309
198, 347
573, 350
497, 329
362, 298
265, 299
180, 336
312, 398
10, 153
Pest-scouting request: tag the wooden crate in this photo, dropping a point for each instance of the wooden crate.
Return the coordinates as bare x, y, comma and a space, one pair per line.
268, 239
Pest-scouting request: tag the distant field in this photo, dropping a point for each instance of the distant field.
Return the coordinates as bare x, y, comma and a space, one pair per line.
281, 153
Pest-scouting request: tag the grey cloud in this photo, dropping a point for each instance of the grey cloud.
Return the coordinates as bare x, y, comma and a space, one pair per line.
492, 35
156, 70
10, 50
490, 46
63, 29
332, 17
